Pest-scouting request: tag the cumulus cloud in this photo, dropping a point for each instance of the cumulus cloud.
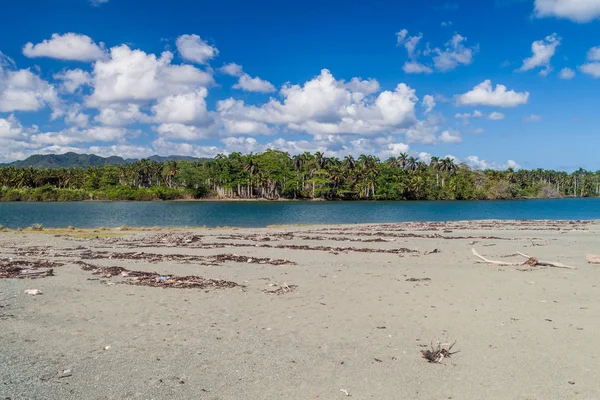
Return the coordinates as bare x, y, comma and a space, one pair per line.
73, 79
542, 50
466, 116
567, 73
193, 48
133, 75
182, 108
11, 128
121, 115
73, 135
245, 81
450, 136
68, 46
477, 163
325, 105
495, 116
576, 10
23, 90
592, 67
179, 131
485, 94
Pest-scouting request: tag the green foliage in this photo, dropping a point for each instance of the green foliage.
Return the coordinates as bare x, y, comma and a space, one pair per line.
274, 175
36, 227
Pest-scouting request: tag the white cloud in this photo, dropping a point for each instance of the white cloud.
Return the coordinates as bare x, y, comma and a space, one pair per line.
594, 54
11, 128
567, 73
423, 131
165, 147
123, 150
532, 118
75, 135
231, 69
428, 103
592, 68
367, 86
98, 3
256, 84
477, 163
450, 136
73, 79
576, 10
445, 24
454, 54
401, 37
542, 50
182, 108
69, 46
495, 116
325, 105
485, 95
193, 48
413, 67
120, 115
183, 132
466, 116
22, 90
74, 116
133, 75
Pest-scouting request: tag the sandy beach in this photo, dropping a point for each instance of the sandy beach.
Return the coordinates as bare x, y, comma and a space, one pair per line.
309, 312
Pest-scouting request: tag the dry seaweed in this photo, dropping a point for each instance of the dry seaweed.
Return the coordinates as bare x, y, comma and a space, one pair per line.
26, 269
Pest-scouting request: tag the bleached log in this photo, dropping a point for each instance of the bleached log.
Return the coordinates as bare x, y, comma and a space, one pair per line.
543, 263
593, 258
502, 263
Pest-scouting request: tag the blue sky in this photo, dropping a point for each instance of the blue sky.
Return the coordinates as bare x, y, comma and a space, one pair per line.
493, 83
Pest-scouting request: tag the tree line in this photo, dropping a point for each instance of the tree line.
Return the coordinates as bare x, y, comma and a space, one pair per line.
276, 175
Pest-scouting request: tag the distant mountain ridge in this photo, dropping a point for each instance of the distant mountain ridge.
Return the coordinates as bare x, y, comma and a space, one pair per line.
74, 160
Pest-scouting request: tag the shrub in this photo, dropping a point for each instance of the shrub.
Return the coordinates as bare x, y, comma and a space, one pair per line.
36, 227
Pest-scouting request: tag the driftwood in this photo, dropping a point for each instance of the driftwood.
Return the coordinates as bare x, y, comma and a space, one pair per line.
593, 259
531, 261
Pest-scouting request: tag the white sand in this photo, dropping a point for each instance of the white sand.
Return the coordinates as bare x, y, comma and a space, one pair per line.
521, 334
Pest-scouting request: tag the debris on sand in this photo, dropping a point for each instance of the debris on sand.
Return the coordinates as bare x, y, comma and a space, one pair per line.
142, 278
32, 292
417, 279
282, 289
437, 354
184, 258
26, 269
531, 262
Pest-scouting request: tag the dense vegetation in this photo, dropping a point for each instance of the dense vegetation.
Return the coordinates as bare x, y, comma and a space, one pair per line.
276, 175
74, 160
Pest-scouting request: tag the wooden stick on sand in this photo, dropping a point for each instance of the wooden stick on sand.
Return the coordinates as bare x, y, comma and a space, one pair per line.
531, 261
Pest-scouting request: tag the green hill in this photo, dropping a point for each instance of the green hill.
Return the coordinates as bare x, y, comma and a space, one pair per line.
74, 160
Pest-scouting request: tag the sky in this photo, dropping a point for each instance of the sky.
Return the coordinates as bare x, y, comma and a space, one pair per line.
493, 83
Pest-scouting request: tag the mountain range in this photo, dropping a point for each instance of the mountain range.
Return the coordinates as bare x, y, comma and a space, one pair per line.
74, 160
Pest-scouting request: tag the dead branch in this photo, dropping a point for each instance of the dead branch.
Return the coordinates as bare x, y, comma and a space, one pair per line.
531, 261
593, 259
502, 263
534, 262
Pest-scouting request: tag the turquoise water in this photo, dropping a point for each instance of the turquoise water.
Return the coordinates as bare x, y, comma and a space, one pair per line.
257, 214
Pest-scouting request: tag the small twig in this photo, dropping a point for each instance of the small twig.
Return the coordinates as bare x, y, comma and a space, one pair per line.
502, 263
543, 263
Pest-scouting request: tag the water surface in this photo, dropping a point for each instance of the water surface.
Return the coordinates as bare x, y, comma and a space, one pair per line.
260, 214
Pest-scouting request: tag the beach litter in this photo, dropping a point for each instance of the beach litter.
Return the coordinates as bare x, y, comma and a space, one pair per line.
10, 268
282, 289
32, 292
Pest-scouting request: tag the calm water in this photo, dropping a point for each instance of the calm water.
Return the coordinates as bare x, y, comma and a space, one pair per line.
257, 214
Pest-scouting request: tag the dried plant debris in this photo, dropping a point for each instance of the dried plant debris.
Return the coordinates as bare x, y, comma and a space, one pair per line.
143, 278
26, 269
436, 354
417, 279
184, 258
281, 289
